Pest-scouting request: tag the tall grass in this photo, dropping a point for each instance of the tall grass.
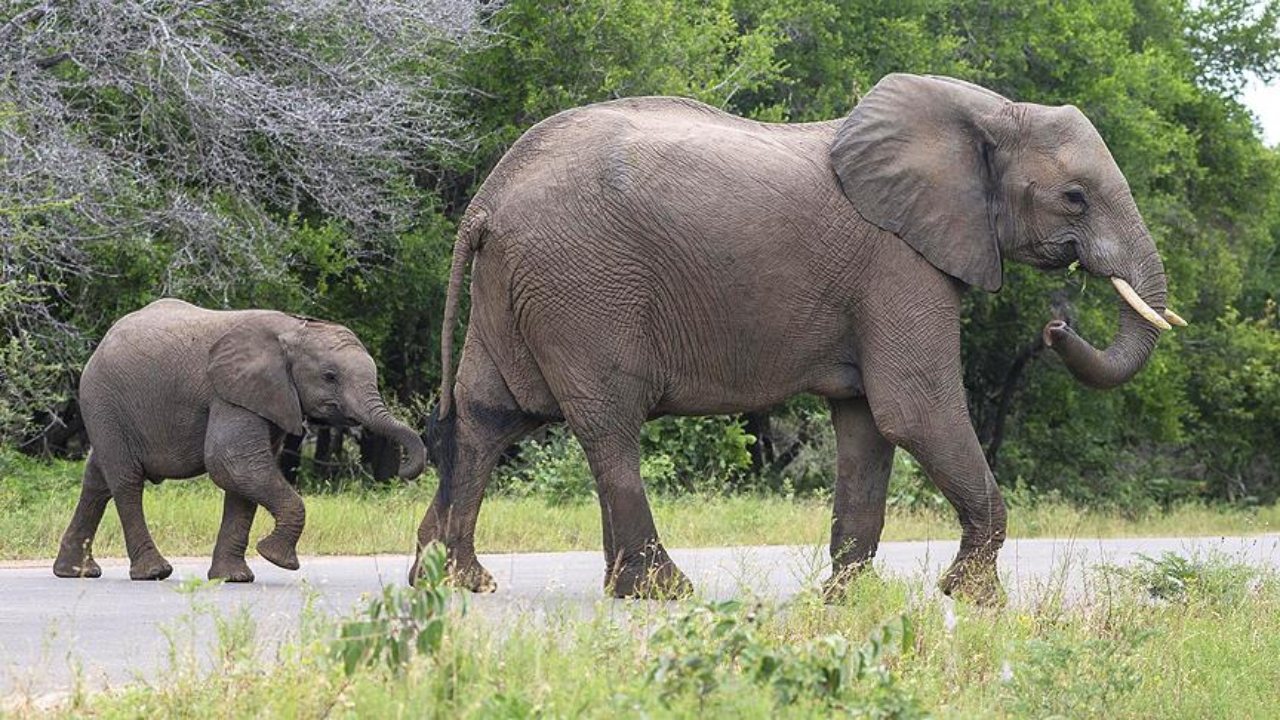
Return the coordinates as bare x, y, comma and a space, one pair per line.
37, 501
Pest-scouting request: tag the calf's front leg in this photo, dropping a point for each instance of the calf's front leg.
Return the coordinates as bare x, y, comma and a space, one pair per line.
240, 455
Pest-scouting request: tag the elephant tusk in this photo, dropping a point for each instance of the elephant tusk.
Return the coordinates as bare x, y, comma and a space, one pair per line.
1174, 318
1139, 305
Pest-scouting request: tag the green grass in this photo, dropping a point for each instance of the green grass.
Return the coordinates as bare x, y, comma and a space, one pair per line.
1206, 650
38, 500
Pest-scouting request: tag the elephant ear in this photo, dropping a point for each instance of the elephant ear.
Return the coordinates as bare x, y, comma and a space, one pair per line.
916, 158
249, 367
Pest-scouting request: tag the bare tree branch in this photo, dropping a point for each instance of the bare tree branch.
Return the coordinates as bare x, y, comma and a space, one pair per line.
31, 14
210, 129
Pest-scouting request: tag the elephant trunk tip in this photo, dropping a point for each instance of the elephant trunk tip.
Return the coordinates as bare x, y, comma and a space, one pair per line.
1091, 367
415, 460
1053, 329
381, 422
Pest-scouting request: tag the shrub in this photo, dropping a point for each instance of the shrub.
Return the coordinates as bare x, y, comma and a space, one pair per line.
1212, 578
401, 622
708, 646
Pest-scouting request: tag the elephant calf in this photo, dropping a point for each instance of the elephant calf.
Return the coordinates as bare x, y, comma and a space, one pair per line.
174, 391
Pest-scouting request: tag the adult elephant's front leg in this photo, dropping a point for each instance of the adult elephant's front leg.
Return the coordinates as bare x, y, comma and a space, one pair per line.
914, 385
954, 461
944, 443
864, 463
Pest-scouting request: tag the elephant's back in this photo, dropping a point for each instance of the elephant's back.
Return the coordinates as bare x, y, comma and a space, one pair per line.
147, 382
624, 150
163, 337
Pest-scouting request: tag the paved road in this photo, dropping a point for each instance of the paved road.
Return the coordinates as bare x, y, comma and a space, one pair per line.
111, 630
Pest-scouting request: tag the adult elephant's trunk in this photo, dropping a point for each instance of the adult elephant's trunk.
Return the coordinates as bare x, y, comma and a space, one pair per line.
1143, 315
377, 419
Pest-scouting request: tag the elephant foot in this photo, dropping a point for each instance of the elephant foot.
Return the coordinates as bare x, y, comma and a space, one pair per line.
233, 571
150, 568
973, 579
461, 568
83, 567
472, 576
835, 589
279, 552
650, 575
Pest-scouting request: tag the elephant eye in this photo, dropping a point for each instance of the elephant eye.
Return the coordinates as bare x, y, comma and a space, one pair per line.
1075, 197
330, 376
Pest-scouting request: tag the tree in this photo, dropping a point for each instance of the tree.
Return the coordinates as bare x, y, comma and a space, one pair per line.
183, 148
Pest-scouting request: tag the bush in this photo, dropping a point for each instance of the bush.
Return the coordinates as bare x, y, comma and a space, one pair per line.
701, 649
1061, 675
697, 454
1212, 579
680, 454
400, 623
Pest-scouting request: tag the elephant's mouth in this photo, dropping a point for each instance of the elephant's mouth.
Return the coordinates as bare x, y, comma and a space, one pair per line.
341, 422
332, 416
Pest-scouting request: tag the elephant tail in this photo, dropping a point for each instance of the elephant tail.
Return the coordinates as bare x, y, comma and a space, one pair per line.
469, 235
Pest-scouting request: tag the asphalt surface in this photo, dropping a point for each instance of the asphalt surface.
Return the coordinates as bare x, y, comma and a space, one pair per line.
56, 633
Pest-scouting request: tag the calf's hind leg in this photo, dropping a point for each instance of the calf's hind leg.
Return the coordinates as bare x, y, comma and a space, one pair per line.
145, 560
75, 552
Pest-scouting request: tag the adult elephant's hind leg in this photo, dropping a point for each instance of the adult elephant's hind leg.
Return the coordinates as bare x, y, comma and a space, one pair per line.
466, 446
75, 552
636, 563
864, 463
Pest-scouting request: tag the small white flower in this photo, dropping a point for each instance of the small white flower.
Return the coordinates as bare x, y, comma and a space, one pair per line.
949, 618
1006, 672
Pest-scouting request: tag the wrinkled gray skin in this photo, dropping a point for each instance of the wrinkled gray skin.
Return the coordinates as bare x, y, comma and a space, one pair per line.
655, 256
174, 391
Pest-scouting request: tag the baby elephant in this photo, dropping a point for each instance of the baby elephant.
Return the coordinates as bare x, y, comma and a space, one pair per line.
175, 390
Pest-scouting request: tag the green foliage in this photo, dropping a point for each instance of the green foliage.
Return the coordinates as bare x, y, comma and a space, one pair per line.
706, 647
1061, 675
401, 623
586, 51
680, 454
1212, 578
1236, 391
554, 468
702, 453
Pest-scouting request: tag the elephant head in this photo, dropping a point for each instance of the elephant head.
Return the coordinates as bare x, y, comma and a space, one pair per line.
966, 176
285, 368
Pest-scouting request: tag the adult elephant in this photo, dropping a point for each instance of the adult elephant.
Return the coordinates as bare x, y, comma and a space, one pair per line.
655, 256
175, 390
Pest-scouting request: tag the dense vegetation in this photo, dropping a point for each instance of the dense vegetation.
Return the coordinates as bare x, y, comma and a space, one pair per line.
314, 158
